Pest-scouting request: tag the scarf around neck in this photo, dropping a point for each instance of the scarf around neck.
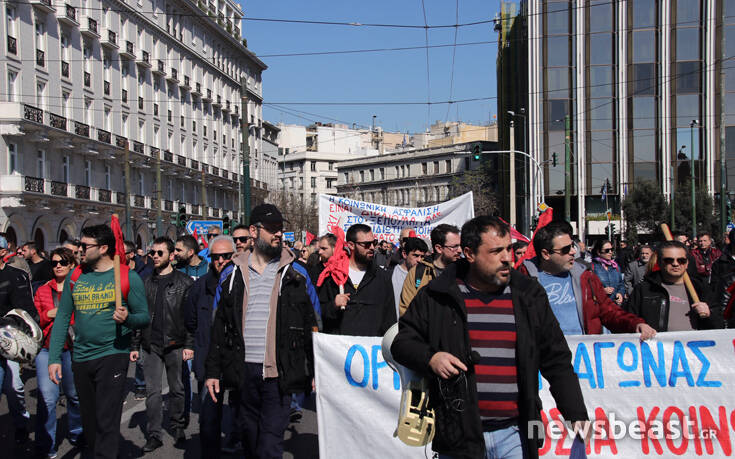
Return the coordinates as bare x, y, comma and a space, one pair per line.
604, 262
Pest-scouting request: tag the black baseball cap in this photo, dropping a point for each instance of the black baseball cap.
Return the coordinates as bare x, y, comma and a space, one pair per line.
266, 214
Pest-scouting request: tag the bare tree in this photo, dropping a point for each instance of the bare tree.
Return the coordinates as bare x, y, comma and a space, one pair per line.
479, 182
302, 214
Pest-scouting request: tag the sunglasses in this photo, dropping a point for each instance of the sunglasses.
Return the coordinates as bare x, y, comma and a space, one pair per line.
211, 235
56, 263
225, 256
564, 250
367, 244
84, 246
606, 250
242, 239
273, 229
670, 261
156, 252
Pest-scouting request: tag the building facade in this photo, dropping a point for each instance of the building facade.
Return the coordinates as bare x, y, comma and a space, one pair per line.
85, 79
638, 82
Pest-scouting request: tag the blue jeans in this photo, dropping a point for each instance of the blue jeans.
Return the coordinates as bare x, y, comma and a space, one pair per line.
501, 444
48, 396
188, 392
12, 385
139, 376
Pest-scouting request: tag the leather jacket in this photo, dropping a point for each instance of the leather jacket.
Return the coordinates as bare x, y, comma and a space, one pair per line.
175, 334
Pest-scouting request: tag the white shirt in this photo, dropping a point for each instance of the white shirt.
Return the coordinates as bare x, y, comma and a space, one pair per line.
356, 277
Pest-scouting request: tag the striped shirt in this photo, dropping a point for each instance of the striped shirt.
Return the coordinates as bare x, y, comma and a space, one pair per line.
258, 310
492, 332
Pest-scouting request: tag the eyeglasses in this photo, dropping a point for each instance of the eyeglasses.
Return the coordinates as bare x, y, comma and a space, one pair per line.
225, 256
367, 244
452, 247
55, 263
84, 246
243, 239
606, 250
564, 250
158, 252
670, 261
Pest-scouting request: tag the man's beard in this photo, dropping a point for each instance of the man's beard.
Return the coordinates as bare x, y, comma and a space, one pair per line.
362, 258
183, 261
91, 263
268, 250
163, 266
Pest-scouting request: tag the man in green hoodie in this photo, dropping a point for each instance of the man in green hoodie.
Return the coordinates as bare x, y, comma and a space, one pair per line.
102, 338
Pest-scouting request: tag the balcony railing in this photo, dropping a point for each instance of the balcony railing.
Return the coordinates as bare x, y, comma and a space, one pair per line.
205, 168
81, 192
195, 209
146, 57
215, 213
174, 74
56, 121
199, 88
138, 147
169, 116
129, 48
104, 195
40, 58
195, 164
32, 113
81, 129
168, 156
71, 12
140, 103
154, 152
120, 197
215, 170
161, 67
59, 189
125, 96
120, 141
33, 184
12, 45
106, 87
104, 136
209, 94
139, 201
181, 160
112, 37
168, 205
87, 79
65, 69
155, 109
92, 25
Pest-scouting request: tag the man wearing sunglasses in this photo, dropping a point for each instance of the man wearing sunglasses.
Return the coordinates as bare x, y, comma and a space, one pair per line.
165, 342
473, 323
212, 232
663, 301
262, 326
367, 306
241, 236
575, 293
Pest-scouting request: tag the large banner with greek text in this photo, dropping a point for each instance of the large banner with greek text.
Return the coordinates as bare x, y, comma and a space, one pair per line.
387, 221
669, 397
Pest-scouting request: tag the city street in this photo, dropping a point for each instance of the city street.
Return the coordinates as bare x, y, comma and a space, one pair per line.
301, 437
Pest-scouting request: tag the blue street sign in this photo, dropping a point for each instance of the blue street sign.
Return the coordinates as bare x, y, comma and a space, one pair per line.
289, 236
730, 226
202, 226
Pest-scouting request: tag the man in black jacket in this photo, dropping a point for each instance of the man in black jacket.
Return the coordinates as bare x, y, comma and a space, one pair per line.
480, 333
663, 301
166, 343
199, 301
367, 306
261, 336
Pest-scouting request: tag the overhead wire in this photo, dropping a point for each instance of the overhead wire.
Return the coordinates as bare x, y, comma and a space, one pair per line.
454, 55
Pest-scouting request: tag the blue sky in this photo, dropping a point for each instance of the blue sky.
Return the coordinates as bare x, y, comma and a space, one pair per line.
378, 76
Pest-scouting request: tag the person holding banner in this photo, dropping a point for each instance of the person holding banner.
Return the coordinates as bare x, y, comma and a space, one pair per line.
576, 295
103, 333
662, 298
367, 306
261, 335
481, 332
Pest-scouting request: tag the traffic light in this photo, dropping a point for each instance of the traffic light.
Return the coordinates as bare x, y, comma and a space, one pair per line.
553, 159
181, 217
226, 225
476, 151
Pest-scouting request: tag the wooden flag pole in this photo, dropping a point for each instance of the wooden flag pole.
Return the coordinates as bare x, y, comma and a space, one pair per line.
687, 281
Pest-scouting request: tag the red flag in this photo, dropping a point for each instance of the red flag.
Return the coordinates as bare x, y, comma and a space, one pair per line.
309, 237
119, 239
195, 235
514, 233
543, 220
338, 265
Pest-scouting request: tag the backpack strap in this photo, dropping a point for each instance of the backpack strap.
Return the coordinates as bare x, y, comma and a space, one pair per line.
420, 268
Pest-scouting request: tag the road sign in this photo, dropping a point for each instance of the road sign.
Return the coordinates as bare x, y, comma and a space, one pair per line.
289, 236
202, 226
730, 226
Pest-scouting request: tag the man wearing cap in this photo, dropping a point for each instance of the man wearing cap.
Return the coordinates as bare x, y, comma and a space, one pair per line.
262, 327
367, 306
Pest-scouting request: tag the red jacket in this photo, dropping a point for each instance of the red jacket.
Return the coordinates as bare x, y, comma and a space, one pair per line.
704, 264
597, 309
44, 301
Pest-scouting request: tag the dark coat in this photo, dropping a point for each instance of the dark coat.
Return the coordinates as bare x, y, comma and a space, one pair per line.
371, 310
175, 333
437, 321
198, 308
295, 320
650, 300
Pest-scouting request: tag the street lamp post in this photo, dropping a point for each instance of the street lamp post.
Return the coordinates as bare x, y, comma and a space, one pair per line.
691, 156
522, 114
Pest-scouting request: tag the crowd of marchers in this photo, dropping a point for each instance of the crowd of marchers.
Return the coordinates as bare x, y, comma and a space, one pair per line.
477, 316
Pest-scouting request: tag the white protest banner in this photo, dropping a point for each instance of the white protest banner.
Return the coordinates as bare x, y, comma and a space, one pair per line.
667, 397
357, 399
387, 221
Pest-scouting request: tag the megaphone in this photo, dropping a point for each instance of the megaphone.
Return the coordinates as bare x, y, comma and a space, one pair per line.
415, 418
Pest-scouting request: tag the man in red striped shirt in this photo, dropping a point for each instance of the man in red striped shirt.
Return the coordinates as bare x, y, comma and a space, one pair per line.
480, 333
